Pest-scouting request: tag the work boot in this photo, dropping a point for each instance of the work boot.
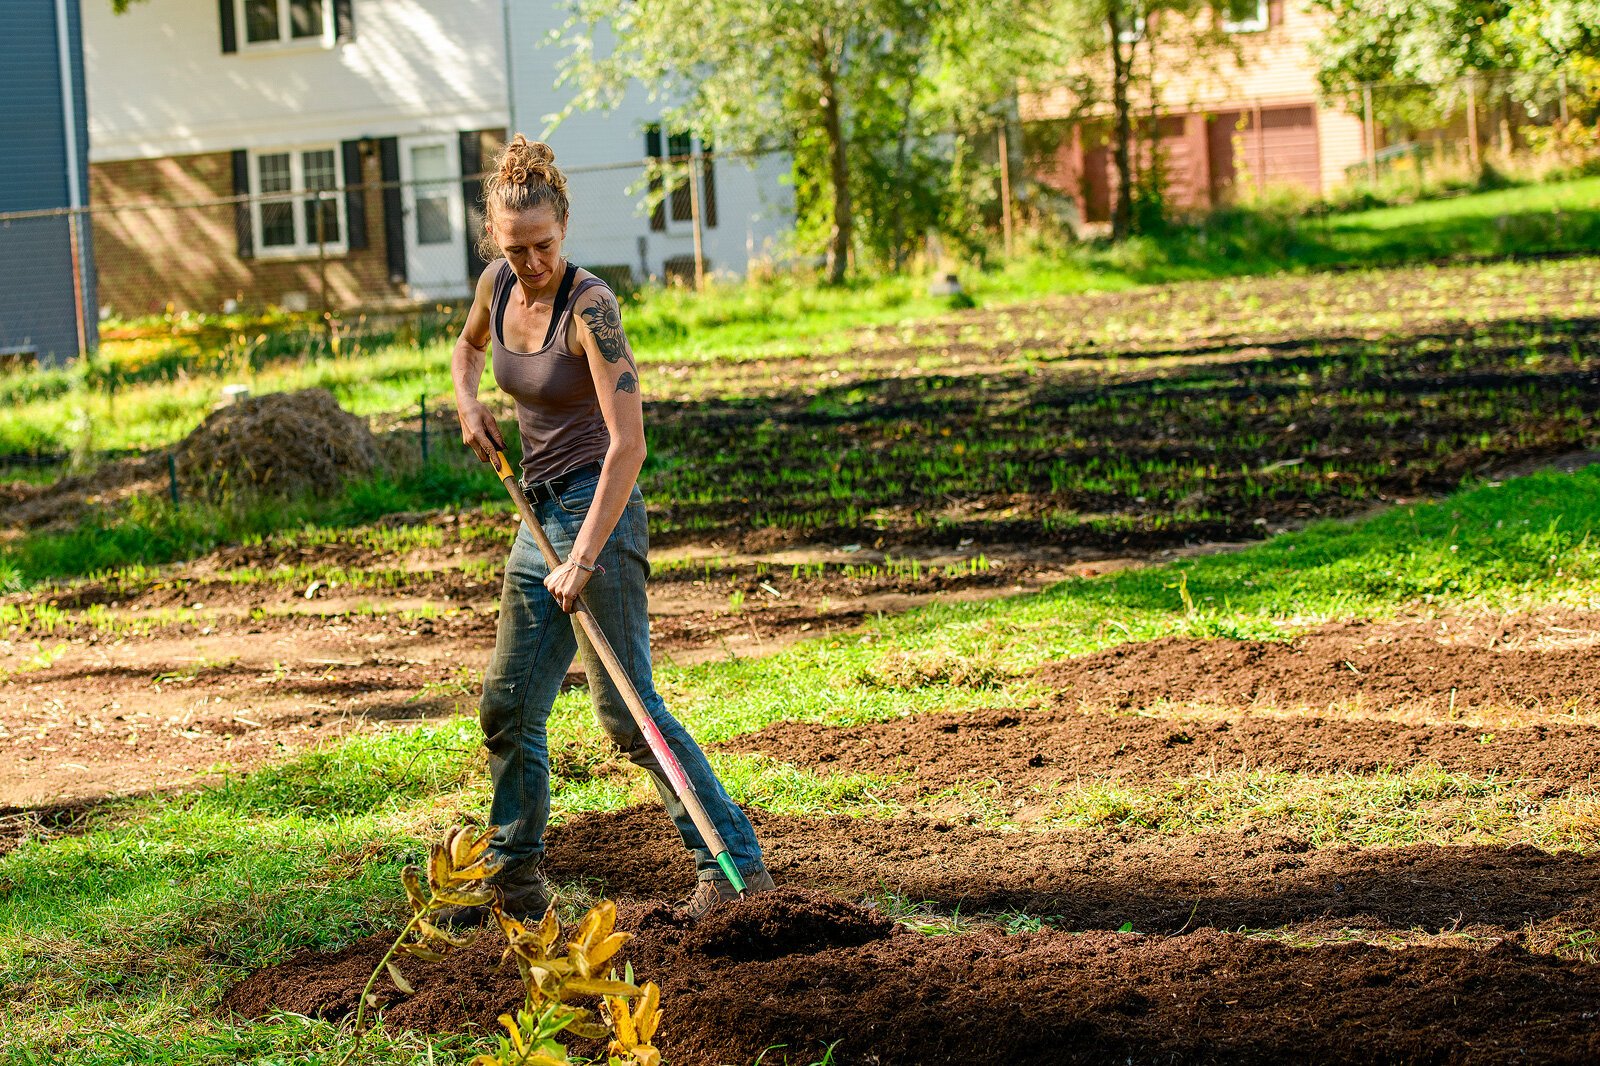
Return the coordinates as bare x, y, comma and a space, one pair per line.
522, 891
709, 893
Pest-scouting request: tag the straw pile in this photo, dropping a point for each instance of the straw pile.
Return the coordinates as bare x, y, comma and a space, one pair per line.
284, 443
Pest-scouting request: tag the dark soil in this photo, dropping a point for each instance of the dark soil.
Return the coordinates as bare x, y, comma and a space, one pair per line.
796, 972
1041, 749
1378, 667
1101, 878
802, 969
1540, 667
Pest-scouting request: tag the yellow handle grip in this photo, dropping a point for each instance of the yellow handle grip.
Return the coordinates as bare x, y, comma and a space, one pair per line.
502, 469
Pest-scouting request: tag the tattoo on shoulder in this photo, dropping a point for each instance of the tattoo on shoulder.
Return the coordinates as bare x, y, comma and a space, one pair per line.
604, 320
627, 382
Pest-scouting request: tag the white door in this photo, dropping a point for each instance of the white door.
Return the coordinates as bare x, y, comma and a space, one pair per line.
436, 250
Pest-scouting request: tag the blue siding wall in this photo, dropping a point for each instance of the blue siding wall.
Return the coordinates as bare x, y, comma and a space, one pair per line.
37, 307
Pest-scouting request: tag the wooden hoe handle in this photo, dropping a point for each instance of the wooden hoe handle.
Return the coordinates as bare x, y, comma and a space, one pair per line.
619, 677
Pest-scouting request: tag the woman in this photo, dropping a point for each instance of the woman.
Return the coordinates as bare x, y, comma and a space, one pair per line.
560, 352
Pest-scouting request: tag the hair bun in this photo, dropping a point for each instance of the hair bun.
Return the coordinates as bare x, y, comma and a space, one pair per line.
523, 176
525, 162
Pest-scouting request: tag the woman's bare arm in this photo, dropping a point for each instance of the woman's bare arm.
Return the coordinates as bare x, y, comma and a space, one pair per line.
478, 428
597, 324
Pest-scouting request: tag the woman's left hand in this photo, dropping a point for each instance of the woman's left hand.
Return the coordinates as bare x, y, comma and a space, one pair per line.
566, 583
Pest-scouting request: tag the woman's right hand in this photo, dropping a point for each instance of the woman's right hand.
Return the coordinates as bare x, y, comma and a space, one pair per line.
479, 430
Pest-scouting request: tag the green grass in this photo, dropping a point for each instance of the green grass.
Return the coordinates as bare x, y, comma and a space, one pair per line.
1423, 804
161, 396
122, 938
1106, 445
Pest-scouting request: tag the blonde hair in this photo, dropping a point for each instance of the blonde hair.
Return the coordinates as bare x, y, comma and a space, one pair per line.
523, 176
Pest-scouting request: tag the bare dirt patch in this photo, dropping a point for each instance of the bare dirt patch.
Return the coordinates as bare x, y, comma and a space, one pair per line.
1348, 698
1543, 665
189, 670
803, 971
1025, 748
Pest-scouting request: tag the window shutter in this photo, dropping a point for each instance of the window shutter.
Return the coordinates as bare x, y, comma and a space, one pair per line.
241, 210
652, 149
708, 184
394, 220
230, 36
355, 197
471, 199
344, 20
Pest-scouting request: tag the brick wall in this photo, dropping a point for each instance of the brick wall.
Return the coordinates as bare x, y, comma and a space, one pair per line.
188, 256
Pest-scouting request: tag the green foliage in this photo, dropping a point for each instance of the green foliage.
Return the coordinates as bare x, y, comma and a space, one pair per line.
1426, 47
875, 100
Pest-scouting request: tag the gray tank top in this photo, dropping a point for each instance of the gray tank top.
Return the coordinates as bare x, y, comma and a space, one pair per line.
558, 410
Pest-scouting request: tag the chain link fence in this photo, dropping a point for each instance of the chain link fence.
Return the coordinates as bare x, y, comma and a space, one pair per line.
1319, 147
308, 259
157, 272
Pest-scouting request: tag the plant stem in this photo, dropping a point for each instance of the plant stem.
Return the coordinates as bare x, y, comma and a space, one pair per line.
361, 1006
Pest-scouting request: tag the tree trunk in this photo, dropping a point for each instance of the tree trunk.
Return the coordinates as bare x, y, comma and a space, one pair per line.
898, 237
840, 238
1122, 132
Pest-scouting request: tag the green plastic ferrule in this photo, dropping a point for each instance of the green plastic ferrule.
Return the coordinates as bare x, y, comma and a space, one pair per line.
725, 861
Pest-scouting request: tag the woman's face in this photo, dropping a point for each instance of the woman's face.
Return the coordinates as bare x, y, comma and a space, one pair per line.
531, 243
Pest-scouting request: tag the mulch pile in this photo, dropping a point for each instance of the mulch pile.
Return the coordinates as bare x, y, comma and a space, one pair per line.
282, 443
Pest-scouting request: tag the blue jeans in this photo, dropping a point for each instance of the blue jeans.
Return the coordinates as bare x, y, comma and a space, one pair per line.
534, 645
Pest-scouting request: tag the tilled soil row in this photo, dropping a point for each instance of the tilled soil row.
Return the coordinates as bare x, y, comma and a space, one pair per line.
1544, 667
1411, 667
1044, 749
1100, 879
799, 971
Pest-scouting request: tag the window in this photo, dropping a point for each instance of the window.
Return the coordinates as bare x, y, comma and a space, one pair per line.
286, 22
1244, 16
678, 203
679, 147
289, 218
431, 195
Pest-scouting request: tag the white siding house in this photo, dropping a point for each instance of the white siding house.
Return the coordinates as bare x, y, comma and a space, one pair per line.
385, 107
192, 100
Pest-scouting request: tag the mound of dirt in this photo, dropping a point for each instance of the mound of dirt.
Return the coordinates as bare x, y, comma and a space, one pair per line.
470, 987
281, 444
788, 921
1047, 997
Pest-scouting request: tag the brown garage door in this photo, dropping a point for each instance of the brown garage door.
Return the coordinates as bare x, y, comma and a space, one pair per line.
1273, 146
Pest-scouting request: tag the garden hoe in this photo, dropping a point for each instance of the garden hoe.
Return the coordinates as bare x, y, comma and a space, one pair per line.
652, 735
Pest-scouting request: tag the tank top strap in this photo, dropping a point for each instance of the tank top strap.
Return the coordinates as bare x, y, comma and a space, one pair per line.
558, 306
558, 325
502, 293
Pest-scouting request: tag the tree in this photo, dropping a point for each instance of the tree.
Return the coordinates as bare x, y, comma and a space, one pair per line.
1422, 51
851, 87
1118, 48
